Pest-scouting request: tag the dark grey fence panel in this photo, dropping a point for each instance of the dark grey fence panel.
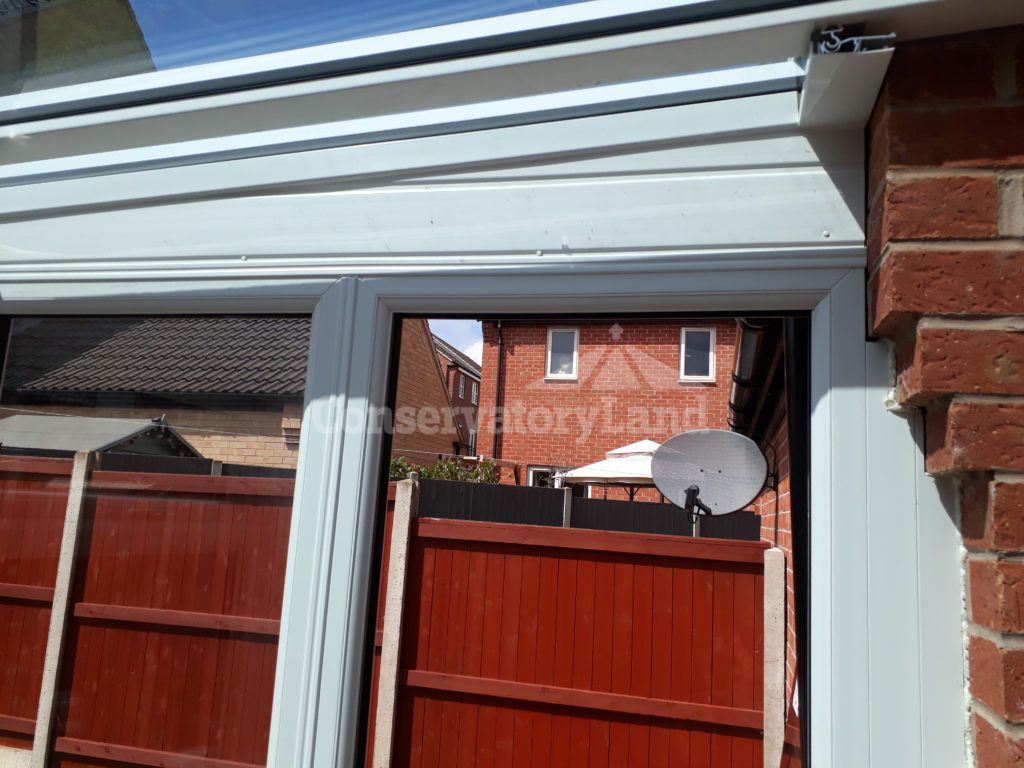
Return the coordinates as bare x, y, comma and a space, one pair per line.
630, 516
738, 526
524, 505
138, 462
490, 503
182, 465
248, 470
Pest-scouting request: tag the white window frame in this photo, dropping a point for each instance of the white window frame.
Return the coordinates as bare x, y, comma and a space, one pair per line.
474, 392
472, 441
535, 469
682, 354
865, 626
462, 386
548, 375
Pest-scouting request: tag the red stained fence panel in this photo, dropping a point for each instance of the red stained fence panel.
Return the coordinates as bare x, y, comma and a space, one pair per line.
33, 497
533, 646
170, 656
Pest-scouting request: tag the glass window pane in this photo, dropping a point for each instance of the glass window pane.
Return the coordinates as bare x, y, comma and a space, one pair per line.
697, 358
48, 43
563, 347
193, 423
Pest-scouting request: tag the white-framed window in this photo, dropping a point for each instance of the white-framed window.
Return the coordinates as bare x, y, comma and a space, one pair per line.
472, 441
697, 354
474, 393
563, 353
541, 477
462, 386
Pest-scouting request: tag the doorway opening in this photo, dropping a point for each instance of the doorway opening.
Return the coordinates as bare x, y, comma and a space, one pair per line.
526, 576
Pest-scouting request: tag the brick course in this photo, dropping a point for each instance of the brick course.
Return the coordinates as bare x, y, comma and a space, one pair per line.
946, 283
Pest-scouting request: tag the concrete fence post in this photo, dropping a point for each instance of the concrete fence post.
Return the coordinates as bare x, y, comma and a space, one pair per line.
61, 607
774, 656
406, 503
567, 507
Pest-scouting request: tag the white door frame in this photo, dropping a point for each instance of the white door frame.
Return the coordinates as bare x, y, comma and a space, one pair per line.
320, 662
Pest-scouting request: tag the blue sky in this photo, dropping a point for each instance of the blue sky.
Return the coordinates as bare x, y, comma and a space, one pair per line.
184, 32
462, 334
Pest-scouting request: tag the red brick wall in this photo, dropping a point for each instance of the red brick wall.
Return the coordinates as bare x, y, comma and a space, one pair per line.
946, 283
421, 387
465, 409
628, 389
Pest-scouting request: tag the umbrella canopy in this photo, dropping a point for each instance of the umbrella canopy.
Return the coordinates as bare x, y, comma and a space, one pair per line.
629, 465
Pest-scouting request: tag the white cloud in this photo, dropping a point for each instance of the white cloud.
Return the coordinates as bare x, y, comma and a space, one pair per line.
475, 351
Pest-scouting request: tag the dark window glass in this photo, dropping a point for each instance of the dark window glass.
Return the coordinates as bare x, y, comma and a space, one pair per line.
697, 353
562, 360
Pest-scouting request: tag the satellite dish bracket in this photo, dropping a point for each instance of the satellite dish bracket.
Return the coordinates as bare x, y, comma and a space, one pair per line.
694, 506
771, 480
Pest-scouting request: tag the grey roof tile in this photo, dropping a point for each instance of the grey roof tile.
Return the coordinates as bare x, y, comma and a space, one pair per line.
236, 355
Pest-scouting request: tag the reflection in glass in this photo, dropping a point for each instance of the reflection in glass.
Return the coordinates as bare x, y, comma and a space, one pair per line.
49, 43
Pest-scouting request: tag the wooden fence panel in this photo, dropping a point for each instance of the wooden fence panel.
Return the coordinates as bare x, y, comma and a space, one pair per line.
33, 495
171, 651
528, 645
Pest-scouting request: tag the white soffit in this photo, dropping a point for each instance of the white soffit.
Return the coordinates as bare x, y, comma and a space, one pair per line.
730, 183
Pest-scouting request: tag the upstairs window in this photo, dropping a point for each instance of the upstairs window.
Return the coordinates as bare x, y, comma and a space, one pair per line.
474, 393
563, 353
697, 354
462, 386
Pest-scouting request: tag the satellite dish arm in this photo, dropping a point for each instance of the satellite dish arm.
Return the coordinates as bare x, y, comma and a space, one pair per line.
694, 506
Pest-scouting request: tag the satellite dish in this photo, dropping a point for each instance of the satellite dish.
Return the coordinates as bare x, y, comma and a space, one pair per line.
711, 470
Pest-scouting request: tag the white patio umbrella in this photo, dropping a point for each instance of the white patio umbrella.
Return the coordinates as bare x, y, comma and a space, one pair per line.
629, 466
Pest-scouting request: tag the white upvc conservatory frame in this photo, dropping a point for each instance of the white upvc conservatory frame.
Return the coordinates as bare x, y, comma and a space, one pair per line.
277, 221
867, 657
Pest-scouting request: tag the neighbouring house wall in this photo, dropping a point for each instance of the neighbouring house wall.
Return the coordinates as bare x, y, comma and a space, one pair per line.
627, 389
946, 283
422, 393
235, 436
464, 408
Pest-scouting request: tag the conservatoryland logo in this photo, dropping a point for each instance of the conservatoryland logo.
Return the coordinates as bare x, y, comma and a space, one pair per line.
622, 394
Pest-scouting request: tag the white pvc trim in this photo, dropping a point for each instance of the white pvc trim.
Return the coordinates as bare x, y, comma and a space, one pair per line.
663, 92
598, 16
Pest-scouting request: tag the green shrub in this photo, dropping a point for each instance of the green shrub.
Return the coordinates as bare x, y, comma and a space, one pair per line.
446, 469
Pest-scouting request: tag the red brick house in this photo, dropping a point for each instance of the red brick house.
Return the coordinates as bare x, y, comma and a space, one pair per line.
462, 378
562, 394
